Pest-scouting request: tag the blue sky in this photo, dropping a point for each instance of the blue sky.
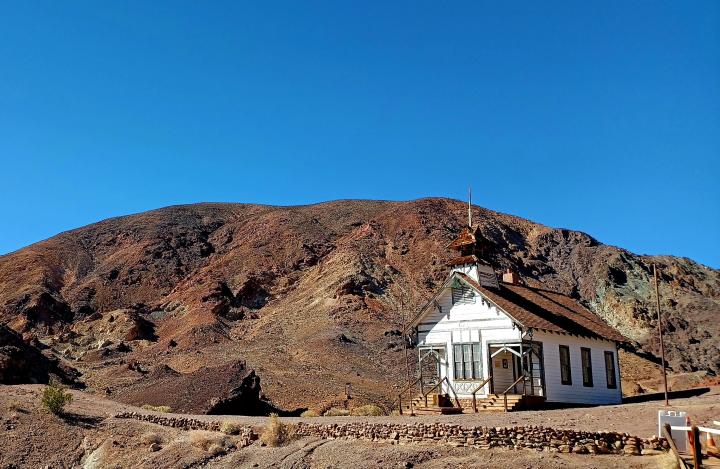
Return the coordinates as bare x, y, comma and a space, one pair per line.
602, 117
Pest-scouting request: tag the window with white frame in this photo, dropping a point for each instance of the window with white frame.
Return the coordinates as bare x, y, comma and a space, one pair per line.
467, 361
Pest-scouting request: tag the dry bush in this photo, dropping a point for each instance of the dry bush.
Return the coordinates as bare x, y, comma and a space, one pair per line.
158, 408
150, 438
55, 397
216, 449
207, 441
336, 412
230, 428
395, 413
277, 433
369, 410
309, 413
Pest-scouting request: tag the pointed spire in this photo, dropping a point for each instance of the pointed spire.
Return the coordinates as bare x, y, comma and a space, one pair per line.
470, 206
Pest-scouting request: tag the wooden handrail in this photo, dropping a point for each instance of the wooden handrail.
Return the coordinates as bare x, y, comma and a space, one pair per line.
457, 401
404, 390
482, 385
425, 394
505, 393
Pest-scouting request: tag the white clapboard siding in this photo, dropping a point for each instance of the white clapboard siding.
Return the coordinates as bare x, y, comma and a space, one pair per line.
599, 393
465, 323
445, 324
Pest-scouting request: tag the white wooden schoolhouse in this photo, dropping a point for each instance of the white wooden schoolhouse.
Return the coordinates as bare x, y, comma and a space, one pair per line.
485, 344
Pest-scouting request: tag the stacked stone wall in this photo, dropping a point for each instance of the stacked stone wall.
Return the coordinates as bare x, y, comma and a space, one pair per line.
530, 437
536, 438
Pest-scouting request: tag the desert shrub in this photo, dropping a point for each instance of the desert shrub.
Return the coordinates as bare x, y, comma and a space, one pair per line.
230, 428
336, 412
216, 449
367, 411
207, 441
277, 433
158, 408
395, 413
309, 413
55, 397
150, 438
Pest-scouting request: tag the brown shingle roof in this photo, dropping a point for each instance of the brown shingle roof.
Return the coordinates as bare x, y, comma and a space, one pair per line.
548, 310
471, 259
464, 238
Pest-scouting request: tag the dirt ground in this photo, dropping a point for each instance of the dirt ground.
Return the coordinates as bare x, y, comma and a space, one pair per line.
354, 454
90, 438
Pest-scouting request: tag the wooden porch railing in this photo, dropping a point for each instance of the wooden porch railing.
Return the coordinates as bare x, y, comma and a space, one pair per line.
447, 381
477, 389
505, 393
693, 434
404, 390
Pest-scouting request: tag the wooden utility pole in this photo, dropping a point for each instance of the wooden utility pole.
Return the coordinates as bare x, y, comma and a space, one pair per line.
660, 333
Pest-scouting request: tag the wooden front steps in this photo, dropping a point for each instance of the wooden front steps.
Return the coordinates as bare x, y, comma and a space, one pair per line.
496, 403
436, 410
442, 404
437, 404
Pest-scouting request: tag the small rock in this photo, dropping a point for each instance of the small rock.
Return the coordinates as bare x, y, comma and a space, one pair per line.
650, 452
631, 449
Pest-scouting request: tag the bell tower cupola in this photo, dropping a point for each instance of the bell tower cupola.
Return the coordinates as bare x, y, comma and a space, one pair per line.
472, 249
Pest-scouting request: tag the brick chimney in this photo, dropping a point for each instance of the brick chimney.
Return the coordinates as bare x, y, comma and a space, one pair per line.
511, 277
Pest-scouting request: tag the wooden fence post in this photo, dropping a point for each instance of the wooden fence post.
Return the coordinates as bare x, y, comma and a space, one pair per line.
697, 453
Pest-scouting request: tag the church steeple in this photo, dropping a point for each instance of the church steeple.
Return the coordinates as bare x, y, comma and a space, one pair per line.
473, 249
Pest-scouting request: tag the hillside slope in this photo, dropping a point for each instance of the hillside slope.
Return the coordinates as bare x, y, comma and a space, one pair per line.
310, 297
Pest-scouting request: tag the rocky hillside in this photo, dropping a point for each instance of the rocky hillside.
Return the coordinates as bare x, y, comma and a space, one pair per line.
310, 297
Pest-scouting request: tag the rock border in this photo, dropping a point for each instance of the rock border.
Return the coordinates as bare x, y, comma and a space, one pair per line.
536, 438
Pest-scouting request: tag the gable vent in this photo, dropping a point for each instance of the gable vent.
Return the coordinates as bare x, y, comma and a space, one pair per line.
462, 293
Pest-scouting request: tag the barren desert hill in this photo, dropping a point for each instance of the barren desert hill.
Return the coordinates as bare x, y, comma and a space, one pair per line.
310, 297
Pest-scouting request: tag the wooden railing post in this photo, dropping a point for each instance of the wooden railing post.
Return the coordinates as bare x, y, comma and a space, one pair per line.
697, 453
404, 390
480, 386
512, 386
